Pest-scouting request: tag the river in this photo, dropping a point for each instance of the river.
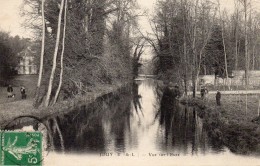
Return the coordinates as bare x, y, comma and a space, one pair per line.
135, 121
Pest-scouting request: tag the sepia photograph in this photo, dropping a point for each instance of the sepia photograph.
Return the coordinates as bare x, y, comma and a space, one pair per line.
130, 82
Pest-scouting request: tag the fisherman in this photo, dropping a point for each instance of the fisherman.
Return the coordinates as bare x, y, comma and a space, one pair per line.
218, 97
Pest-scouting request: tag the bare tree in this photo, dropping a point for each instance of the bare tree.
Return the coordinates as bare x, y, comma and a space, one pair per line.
62, 53
223, 41
245, 6
54, 64
184, 18
42, 55
236, 21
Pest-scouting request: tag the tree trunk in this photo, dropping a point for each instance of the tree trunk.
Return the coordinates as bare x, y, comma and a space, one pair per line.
225, 54
62, 53
54, 64
194, 73
253, 56
258, 110
41, 58
224, 45
246, 51
236, 41
185, 53
246, 46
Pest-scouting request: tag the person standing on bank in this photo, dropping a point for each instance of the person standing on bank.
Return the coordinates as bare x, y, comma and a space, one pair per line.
202, 92
218, 97
23, 92
206, 92
10, 91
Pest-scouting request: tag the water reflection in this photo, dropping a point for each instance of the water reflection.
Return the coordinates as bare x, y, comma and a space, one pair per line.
139, 118
136, 98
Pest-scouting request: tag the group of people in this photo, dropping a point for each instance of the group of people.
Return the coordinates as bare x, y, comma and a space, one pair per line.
204, 91
174, 91
10, 93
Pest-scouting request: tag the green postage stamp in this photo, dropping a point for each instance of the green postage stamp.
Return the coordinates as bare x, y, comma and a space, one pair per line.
21, 148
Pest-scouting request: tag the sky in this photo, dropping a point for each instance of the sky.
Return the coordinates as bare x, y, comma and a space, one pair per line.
11, 21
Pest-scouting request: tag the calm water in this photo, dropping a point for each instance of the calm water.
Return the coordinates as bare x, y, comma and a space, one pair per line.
138, 119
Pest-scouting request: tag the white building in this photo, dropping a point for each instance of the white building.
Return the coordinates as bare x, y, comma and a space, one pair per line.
27, 62
238, 78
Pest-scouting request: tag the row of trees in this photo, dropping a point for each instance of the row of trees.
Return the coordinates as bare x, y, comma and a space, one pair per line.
85, 44
198, 37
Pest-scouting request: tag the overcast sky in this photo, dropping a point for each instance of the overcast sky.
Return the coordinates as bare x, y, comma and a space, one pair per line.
10, 19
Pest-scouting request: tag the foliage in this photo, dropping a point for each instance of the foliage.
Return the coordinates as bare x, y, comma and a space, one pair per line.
193, 38
97, 43
181, 30
10, 47
214, 52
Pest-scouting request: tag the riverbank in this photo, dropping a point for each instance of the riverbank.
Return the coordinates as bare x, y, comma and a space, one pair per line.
12, 110
231, 123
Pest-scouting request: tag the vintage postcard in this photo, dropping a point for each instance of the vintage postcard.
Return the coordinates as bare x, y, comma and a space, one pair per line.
130, 82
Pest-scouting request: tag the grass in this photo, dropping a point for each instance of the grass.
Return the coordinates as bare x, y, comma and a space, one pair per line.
28, 81
230, 123
11, 110
14, 107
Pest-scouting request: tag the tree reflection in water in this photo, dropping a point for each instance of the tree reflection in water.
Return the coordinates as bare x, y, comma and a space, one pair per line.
183, 130
136, 99
141, 117
91, 129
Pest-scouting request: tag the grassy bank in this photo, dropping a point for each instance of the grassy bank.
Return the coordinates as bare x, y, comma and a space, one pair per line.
11, 110
27, 81
231, 123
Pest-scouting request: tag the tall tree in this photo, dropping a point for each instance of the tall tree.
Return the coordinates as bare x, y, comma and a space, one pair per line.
42, 55
223, 42
245, 6
62, 53
54, 64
